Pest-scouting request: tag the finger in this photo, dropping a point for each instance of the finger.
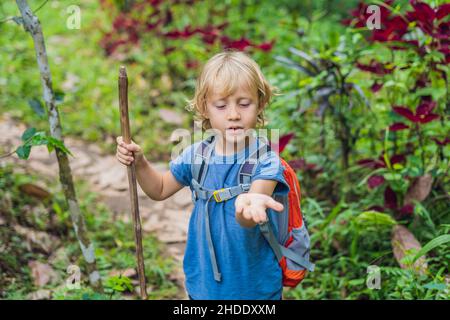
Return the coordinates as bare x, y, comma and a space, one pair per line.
272, 204
239, 207
125, 158
123, 151
256, 216
262, 216
124, 162
246, 213
133, 147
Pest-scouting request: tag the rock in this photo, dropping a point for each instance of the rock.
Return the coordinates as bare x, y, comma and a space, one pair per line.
80, 160
168, 237
151, 224
118, 204
179, 219
38, 239
98, 165
41, 154
42, 273
43, 169
140, 192
94, 149
114, 176
158, 205
42, 294
182, 198
175, 252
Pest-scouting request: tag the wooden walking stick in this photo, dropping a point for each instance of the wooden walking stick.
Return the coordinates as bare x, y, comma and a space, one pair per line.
131, 170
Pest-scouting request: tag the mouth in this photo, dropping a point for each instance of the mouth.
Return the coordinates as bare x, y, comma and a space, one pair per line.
235, 130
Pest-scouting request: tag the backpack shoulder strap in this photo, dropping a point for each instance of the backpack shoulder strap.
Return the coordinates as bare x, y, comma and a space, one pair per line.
200, 159
248, 167
280, 250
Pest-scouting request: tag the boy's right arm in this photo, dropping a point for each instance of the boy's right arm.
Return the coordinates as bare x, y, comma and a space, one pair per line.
158, 186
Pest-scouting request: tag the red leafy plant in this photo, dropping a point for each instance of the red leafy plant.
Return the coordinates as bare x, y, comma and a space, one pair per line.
155, 18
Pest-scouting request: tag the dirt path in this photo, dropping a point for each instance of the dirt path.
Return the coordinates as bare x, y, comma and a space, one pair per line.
168, 219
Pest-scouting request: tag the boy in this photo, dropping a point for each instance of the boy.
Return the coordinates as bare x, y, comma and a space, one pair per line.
226, 255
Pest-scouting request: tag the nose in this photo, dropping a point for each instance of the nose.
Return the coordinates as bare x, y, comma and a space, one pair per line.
233, 113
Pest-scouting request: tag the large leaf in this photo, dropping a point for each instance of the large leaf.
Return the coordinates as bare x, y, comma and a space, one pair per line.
28, 134
284, 140
436, 242
54, 143
23, 152
374, 220
419, 190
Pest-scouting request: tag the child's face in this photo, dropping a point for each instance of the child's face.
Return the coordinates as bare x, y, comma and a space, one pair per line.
233, 115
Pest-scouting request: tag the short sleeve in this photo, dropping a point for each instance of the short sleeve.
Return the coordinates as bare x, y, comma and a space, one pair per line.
270, 168
180, 167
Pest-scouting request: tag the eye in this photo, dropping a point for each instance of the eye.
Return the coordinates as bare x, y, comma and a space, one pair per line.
245, 105
221, 107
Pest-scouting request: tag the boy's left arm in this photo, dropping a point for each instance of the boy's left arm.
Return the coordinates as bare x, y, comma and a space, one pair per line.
251, 207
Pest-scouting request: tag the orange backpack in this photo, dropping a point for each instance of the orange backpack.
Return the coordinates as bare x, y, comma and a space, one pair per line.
293, 238
292, 245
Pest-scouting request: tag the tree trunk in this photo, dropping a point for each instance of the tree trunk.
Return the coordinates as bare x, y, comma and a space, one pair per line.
32, 25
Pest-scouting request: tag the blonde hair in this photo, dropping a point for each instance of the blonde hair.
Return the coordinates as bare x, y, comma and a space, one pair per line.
227, 70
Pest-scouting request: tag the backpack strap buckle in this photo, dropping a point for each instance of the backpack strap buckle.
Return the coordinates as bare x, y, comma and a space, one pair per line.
216, 195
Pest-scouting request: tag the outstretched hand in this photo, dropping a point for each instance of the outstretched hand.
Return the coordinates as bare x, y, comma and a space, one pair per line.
252, 206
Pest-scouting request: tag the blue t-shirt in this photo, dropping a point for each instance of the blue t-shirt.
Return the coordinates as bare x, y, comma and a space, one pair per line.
247, 263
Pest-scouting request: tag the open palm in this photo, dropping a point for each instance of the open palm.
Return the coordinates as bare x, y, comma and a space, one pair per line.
253, 206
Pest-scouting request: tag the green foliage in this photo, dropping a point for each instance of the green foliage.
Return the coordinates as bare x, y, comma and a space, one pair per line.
374, 221
32, 138
341, 266
85, 293
113, 240
443, 239
118, 283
